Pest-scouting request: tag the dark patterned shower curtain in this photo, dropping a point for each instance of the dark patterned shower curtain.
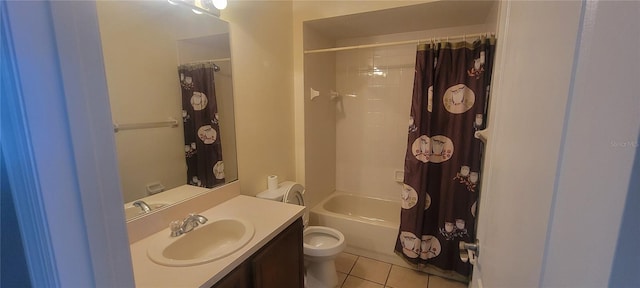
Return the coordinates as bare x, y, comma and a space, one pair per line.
203, 150
443, 159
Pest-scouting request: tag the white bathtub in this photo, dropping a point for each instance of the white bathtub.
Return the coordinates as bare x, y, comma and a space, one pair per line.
370, 225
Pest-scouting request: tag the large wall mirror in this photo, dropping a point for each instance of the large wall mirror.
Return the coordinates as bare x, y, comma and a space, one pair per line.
168, 73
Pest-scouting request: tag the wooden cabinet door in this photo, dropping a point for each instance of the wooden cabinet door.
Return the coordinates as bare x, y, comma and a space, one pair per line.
238, 278
281, 264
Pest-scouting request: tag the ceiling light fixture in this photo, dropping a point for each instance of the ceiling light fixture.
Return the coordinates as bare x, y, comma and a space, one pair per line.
220, 4
200, 7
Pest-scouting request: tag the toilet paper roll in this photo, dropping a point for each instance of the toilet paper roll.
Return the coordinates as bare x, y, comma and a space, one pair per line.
272, 182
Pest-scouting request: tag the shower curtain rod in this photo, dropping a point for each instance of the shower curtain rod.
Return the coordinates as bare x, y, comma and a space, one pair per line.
216, 68
418, 41
208, 60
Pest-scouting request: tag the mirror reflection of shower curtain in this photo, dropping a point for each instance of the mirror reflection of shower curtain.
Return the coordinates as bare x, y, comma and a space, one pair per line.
202, 146
443, 159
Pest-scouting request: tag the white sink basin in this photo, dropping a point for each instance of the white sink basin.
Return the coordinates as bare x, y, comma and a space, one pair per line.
133, 211
213, 240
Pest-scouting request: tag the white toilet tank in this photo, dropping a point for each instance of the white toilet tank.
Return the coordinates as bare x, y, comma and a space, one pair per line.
292, 190
287, 192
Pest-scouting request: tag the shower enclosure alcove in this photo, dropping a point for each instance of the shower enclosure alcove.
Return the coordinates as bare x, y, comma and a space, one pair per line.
358, 82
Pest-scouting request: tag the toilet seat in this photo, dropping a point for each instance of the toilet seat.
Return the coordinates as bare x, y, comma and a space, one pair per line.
294, 195
320, 241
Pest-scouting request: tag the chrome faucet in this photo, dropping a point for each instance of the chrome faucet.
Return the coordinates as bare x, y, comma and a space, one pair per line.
179, 227
142, 205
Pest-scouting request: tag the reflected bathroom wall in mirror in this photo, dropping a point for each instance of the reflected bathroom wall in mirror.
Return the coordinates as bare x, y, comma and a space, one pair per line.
144, 44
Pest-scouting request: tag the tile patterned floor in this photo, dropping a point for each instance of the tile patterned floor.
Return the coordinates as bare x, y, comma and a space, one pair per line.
360, 272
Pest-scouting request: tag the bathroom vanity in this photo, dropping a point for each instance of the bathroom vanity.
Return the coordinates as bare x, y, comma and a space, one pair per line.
272, 258
277, 264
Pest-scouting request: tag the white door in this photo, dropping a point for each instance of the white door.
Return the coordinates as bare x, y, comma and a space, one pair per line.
532, 73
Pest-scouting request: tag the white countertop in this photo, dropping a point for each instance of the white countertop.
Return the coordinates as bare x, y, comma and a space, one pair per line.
269, 218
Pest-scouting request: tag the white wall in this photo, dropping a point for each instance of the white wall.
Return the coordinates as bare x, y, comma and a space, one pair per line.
262, 82
371, 129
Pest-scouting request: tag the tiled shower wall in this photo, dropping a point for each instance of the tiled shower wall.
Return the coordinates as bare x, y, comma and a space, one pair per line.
371, 128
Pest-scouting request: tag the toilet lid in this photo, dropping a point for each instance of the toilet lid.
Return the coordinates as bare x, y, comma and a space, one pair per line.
294, 195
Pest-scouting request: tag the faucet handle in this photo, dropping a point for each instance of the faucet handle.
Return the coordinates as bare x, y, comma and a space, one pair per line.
142, 205
201, 219
176, 228
197, 218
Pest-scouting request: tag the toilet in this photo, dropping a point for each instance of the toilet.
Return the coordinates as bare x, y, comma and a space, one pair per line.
321, 244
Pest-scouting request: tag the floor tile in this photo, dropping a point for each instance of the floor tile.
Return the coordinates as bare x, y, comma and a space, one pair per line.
439, 282
371, 270
345, 261
355, 282
341, 277
401, 277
